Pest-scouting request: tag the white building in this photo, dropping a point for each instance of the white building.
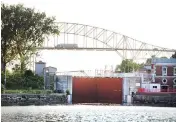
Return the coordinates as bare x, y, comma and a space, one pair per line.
39, 66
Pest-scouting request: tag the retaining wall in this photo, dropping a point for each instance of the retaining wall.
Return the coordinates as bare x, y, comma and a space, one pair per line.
32, 99
155, 99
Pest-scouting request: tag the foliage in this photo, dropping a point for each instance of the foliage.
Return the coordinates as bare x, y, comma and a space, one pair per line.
128, 66
28, 73
23, 29
23, 91
174, 55
2, 88
16, 80
8, 49
67, 92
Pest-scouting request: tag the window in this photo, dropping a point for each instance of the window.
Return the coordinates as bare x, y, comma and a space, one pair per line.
155, 87
164, 71
174, 81
164, 81
174, 70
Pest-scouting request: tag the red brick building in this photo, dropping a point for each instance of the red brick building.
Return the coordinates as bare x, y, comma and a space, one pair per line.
165, 73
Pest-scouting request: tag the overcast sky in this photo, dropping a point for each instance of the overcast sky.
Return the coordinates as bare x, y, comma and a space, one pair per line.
150, 21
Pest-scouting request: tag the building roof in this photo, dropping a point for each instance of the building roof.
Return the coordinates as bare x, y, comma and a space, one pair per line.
40, 62
51, 67
164, 60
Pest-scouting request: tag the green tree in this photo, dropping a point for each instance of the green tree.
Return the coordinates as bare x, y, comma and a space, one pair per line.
27, 29
128, 66
8, 48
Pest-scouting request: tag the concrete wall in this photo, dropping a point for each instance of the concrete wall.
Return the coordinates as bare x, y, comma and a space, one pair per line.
63, 83
155, 99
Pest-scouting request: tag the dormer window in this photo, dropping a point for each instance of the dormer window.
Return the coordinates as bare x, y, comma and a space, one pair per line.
164, 71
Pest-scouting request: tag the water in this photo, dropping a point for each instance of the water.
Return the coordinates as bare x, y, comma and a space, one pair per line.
87, 113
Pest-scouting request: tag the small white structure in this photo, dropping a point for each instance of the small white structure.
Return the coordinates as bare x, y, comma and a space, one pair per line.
39, 66
49, 71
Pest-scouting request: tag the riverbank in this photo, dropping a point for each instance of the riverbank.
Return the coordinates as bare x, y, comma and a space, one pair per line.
32, 99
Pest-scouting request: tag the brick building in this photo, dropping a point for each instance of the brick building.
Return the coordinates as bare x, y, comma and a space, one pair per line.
165, 73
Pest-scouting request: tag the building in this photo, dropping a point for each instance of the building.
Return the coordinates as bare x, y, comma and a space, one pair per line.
39, 68
49, 76
165, 73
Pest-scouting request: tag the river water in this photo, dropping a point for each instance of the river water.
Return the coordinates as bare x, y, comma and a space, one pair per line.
87, 113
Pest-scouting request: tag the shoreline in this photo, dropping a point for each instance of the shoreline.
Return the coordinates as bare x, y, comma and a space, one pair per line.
32, 99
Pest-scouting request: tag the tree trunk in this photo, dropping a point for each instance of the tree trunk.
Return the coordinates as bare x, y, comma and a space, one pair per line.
3, 64
22, 66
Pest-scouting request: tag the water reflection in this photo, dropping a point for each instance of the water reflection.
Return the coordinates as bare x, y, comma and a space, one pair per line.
87, 113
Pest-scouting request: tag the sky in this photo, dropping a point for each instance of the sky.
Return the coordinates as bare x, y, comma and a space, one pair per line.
150, 21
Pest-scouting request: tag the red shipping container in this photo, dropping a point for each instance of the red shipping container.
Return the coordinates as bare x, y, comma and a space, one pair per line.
97, 90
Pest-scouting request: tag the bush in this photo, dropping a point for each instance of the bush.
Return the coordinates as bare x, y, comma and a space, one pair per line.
16, 80
24, 83
67, 92
2, 88
48, 91
24, 91
28, 73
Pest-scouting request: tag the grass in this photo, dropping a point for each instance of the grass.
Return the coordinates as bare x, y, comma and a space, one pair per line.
24, 91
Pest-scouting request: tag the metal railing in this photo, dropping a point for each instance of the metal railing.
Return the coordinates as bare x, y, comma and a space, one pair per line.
146, 90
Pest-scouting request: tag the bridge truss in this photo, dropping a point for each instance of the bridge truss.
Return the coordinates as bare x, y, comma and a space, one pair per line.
74, 36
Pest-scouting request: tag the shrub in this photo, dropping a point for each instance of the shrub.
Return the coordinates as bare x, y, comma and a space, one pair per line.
48, 91
28, 73
2, 88
67, 92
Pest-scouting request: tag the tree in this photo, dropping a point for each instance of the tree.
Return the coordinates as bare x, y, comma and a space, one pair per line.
8, 49
27, 29
174, 55
128, 66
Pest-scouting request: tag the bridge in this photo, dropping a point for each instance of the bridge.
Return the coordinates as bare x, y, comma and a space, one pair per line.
75, 36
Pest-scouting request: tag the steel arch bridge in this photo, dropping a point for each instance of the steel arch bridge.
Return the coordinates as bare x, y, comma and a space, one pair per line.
74, 36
